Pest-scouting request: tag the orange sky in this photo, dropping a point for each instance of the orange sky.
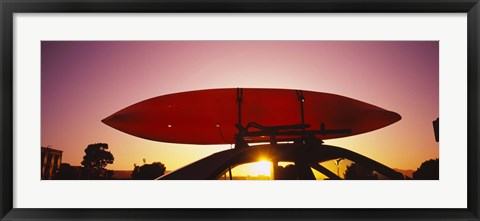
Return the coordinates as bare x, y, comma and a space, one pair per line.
84, 82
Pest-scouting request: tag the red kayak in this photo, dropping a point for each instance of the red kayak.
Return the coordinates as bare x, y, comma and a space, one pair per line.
209, 116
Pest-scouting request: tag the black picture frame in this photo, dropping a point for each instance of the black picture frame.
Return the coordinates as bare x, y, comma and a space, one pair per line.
9, 7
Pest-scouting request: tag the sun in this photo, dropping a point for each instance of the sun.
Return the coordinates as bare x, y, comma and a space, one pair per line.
254, 169
261, 168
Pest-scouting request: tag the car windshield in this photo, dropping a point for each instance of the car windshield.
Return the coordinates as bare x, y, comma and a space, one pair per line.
340, 168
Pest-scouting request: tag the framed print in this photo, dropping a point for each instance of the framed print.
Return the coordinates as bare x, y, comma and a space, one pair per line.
226, 110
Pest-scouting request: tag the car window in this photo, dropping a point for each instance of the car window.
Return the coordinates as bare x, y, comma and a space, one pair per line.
250, 171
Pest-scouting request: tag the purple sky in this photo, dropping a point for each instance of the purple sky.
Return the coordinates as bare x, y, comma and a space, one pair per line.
84, 82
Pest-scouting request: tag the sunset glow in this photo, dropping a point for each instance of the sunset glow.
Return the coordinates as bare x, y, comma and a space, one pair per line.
262, 168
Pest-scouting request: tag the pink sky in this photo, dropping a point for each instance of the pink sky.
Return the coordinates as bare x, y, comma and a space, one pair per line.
84, 82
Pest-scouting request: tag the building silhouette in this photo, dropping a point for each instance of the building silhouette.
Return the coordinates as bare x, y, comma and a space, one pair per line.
51, 160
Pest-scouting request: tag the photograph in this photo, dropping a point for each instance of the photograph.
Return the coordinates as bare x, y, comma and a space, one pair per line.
232, 110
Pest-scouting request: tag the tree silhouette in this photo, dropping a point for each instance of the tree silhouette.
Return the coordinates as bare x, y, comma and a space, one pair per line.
148, 171
358, 172
428, 170
95, 160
